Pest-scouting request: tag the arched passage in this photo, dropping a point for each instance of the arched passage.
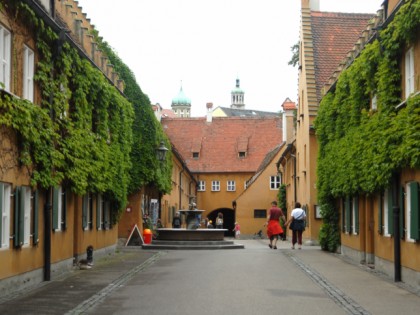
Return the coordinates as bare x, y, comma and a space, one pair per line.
228, 219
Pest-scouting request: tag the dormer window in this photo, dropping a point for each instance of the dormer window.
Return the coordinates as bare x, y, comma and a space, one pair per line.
242, 147
196, 155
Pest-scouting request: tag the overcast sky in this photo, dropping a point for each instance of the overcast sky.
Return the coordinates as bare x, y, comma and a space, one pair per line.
208, 44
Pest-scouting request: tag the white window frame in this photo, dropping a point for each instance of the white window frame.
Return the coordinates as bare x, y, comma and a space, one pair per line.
231, 185
409, 72
353, 216
385, 213
26, 191
215, 185
275, 182
59, 209
100, 211
5, 210
28, 73
89, 224
5, 57
201, 185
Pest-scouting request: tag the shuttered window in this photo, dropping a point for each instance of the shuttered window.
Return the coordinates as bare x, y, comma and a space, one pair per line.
26, 212
35, 220
5, 60
355, 215
107, 215
59, 209
23, 216
413, 212
5, 212
99, 212
347, 210
409, 72
87, 212
380, 214
28, 73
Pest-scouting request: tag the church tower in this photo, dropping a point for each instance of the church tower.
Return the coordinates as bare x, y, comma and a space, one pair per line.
181, 104
237, 97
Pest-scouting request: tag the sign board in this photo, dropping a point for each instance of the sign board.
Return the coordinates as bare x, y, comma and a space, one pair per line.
135, 238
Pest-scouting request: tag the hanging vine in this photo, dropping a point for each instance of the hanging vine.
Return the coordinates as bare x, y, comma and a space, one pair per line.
81, 133
359, 148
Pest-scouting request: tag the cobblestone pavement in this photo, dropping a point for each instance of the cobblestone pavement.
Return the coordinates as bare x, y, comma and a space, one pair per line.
242, 281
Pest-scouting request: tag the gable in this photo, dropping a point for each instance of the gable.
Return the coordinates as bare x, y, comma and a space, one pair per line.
222, 140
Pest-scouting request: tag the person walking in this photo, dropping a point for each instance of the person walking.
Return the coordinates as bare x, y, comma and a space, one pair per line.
237, 230
296, 223
274, 228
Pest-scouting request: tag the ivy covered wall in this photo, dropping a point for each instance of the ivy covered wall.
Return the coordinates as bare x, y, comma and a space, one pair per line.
81, 135
360, 148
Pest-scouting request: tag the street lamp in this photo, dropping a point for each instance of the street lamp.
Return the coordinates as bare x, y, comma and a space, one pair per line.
161, 151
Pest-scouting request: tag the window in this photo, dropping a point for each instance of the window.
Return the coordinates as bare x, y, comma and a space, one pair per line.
99, 212
87, 212
201, 185
231, 185
107, 215
5, 46
260, 213
5, 208
23, 219
28, 74
196, 155
59, 209
409, 72
274, 182
355, 216
347, 215
388, 215
26, 206
215, 185
242, 154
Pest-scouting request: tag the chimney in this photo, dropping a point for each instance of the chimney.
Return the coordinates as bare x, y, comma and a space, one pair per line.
313, 5
209, 112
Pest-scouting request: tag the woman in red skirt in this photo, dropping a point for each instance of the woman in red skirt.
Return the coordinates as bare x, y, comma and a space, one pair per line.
274, 228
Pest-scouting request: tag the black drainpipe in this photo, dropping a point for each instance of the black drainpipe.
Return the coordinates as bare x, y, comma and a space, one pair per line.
396, 213
294, 176
180, 187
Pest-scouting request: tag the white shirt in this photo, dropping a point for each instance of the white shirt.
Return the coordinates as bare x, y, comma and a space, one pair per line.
298, 214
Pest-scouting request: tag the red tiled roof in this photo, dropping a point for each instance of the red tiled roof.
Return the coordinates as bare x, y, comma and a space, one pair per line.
168, 113
288, 104
334, 34
222, 139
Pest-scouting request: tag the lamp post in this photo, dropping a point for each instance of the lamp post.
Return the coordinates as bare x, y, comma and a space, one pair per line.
161, 155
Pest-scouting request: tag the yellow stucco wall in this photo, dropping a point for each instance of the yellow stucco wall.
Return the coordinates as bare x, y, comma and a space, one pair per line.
257, 196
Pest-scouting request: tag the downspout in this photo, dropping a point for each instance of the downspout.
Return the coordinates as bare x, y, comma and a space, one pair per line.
180, 186
294, 176
397, 241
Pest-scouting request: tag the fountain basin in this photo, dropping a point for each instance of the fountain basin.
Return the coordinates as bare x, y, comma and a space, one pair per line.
168, 234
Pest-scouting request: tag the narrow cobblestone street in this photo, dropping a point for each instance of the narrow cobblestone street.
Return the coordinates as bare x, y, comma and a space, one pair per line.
253, 280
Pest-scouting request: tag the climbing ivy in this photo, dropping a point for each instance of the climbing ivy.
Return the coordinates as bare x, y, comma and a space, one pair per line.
81, 134
147, 132
360, 148
281, 197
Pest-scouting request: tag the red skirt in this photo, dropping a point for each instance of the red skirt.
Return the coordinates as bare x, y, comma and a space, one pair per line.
274, 228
